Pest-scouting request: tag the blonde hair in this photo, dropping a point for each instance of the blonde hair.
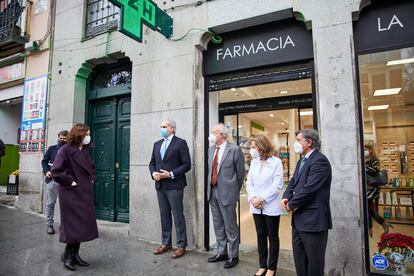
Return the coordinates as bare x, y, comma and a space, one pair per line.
263, 144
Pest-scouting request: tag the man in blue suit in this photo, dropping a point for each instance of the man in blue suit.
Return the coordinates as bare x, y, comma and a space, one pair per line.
169, 162
307, 196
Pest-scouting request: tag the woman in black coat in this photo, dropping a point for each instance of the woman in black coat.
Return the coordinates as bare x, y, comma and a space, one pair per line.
372, 168
74, 170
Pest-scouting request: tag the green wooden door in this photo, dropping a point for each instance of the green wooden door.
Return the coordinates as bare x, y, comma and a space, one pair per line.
122, 159
110, 129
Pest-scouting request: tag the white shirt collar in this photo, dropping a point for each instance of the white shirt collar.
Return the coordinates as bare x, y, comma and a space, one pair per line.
309, 153
223, 146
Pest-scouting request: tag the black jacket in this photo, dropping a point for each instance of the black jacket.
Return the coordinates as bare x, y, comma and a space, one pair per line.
49, 157
308, 193
176, 159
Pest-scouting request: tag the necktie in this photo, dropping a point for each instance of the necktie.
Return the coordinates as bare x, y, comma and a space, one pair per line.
302, 162
163, 148
215, 167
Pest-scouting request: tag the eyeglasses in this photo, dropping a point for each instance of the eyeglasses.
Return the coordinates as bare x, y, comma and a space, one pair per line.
163, 126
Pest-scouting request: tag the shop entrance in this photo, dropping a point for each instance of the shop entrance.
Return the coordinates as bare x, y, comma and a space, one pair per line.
276, 102
280, 126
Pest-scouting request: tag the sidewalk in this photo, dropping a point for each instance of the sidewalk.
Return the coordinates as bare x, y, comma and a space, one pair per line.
26, 249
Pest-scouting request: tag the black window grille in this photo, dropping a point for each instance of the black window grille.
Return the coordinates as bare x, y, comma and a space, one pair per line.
101, 16
11, 19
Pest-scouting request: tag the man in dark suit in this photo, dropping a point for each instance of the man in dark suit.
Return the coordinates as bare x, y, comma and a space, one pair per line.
307, 196
52, 186
169, 162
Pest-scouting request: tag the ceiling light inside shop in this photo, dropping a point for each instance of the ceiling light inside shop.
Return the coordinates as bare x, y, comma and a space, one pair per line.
233, 89
283, 92
400, 61
378, 107
240, 126
306, 113
272, 115
385, 92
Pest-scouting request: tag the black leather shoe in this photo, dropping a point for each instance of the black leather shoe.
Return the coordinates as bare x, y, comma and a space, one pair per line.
232, 262
218, 258
50, 229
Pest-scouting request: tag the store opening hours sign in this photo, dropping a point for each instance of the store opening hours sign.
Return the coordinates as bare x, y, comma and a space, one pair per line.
32, 137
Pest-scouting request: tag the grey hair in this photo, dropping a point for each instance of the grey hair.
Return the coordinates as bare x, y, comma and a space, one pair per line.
311, 134
222, 128
172, 124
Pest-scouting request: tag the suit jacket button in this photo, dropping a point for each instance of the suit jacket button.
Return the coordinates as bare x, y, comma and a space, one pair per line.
294, 193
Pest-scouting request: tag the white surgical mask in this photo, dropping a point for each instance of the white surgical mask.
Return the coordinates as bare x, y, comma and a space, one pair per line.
212, 138
86, 140
254, 153
298, 147
366, 153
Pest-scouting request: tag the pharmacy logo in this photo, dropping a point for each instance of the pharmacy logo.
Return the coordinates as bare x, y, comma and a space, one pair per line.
135, 13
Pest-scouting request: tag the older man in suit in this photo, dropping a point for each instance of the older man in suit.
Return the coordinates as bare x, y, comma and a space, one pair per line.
307, 195
169, 162
225, 178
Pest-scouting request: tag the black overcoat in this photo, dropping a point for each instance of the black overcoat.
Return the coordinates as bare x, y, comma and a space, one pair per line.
77, 210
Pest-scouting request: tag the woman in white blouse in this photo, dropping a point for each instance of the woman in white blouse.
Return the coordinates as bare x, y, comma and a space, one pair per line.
264, 185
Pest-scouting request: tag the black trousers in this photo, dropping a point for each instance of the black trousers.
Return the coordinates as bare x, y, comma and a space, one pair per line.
309, 252
373, 214
267, 228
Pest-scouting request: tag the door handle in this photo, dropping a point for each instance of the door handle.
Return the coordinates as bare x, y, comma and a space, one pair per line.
126, 177
117, 165
113, 177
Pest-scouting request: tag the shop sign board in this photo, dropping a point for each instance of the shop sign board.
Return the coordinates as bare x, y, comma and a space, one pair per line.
135, 13
12, 72
385, 24
32, 138
268, 44
267, 104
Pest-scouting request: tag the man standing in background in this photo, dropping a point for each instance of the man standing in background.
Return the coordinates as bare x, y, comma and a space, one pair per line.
52, 186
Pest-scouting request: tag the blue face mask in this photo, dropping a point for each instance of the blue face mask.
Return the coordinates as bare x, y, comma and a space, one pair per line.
163, 132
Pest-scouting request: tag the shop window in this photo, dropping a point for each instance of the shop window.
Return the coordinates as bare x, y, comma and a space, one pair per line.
387, 102
101, 16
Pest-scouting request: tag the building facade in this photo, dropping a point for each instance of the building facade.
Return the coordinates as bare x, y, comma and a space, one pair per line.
25, 43
281, 66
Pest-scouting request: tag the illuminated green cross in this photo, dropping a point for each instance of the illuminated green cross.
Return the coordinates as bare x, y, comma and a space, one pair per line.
134, 13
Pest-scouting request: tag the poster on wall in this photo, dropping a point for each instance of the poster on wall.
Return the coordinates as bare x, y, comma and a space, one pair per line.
32, 138
40, 6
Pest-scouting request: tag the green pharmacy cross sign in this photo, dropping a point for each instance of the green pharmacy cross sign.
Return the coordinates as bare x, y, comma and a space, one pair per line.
134, 13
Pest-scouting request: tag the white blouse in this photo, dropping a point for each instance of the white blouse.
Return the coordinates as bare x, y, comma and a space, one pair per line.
265, 180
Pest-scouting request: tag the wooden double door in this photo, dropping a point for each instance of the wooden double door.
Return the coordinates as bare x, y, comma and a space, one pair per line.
110, 120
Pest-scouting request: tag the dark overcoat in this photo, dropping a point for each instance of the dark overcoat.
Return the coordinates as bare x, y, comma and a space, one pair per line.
77, 210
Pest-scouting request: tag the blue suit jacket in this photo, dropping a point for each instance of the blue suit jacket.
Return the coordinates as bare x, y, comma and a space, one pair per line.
308, 193
177, 159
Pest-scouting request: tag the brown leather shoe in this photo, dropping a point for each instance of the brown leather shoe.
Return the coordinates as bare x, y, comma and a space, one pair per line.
162, 249
178, 253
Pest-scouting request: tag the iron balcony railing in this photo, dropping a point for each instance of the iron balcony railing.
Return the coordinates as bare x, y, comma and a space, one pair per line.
12, 21
101, 16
